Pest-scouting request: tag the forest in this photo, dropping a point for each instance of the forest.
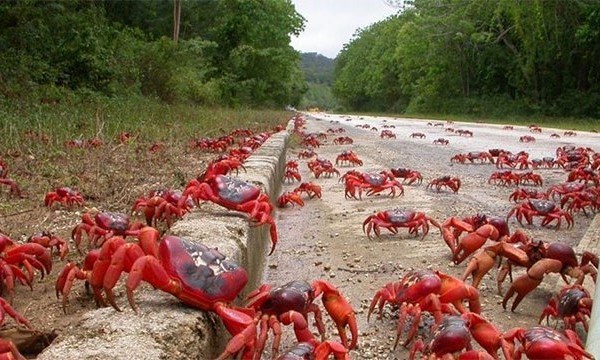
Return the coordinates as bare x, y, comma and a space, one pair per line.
318, 72
434, 57
205, 52
488, 58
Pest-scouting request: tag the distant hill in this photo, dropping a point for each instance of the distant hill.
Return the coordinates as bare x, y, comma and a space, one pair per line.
318, 69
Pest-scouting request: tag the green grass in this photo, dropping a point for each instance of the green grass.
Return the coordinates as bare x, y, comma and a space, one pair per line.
105, 118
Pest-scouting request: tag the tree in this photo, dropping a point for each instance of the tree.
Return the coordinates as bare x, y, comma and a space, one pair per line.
176, 19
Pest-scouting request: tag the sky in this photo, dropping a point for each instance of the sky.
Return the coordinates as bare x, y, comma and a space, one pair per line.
331, 23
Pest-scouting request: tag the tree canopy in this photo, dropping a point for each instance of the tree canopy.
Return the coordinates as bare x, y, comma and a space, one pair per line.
471, 56
231, 52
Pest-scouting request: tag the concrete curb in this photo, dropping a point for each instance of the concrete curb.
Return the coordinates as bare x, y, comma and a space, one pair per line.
591, 242
164, 328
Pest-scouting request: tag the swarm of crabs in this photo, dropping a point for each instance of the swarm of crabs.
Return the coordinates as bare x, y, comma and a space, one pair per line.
132, 245
481, 242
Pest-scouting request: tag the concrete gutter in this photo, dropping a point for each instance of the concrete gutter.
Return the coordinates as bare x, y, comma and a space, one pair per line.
165, 328
591, 242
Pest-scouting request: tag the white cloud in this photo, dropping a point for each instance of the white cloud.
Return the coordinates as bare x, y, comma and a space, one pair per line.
331, 23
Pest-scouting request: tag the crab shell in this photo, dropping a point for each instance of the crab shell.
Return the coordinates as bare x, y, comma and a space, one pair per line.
541, 342
205, 275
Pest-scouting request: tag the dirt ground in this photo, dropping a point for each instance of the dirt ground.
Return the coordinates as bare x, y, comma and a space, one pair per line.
324, 239
110, 178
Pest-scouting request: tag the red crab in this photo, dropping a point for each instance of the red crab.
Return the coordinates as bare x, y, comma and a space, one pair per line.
557, 258
307, 154
103, 226
409, 176
397, 218
453, 183
50, 241
195, 274
234, 194
321, 166
222, 166
586, 175
5, 180
530, 178
374, 183
348, 157
425, 290
441, 141
65, 196
418, 134
343, 140
311, 140
519, 160
162, 205
387, 134
596, 163
289, 197
8, 350
547, 162
467, 133
19, 262
291, 175
560, 190
291, 172
454, 334
542, 342
535, 129
571, 305
505, 178
527, 139
481, 156
570, 133
542, 208
525, 193
477, 236
125, 137
577, 201
484, 260
311, 189
291, 304
508, 127
570, 157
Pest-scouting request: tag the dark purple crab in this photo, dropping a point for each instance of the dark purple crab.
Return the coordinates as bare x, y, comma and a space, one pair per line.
542, 208
103, 226
397, 218
234, 194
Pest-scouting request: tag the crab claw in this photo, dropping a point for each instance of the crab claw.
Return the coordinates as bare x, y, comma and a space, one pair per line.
339, 309
524, 284
451, 230
326, 348
467, 245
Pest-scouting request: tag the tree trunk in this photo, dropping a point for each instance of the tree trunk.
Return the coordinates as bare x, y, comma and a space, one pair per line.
176, 19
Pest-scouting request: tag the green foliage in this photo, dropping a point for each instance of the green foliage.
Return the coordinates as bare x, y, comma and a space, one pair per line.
317, 68
539, 56
230, 52
257, 61
318, 96
84, 116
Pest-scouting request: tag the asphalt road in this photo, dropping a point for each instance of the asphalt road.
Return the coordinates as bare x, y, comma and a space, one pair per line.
324, 239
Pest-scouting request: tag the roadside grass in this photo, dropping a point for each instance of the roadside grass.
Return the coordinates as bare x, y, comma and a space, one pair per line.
111, 176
